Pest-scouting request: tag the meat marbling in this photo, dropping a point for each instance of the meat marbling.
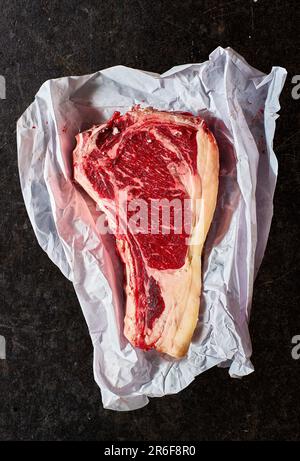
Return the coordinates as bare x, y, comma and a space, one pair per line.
154, 157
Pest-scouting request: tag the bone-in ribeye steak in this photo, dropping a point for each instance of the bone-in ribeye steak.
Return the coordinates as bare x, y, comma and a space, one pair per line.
153, 157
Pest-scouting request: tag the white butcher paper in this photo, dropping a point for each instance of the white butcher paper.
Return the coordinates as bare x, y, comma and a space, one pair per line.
240, 104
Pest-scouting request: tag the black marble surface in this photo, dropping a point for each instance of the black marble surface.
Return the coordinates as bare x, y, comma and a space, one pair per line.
47, 391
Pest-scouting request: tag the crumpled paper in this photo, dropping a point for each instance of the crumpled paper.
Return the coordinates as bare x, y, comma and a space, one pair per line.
240, 105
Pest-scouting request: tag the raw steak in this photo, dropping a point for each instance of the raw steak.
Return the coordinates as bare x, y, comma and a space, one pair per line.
155, 158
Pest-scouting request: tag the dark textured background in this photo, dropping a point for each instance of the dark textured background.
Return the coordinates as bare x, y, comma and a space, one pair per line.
47, 391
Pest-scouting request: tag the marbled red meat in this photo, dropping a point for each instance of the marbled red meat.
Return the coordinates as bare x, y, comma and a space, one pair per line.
155, 159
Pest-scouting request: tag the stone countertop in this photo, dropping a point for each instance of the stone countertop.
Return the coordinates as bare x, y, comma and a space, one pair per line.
47, 391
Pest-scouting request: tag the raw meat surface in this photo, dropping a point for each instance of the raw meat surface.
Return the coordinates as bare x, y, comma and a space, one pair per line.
155, 176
